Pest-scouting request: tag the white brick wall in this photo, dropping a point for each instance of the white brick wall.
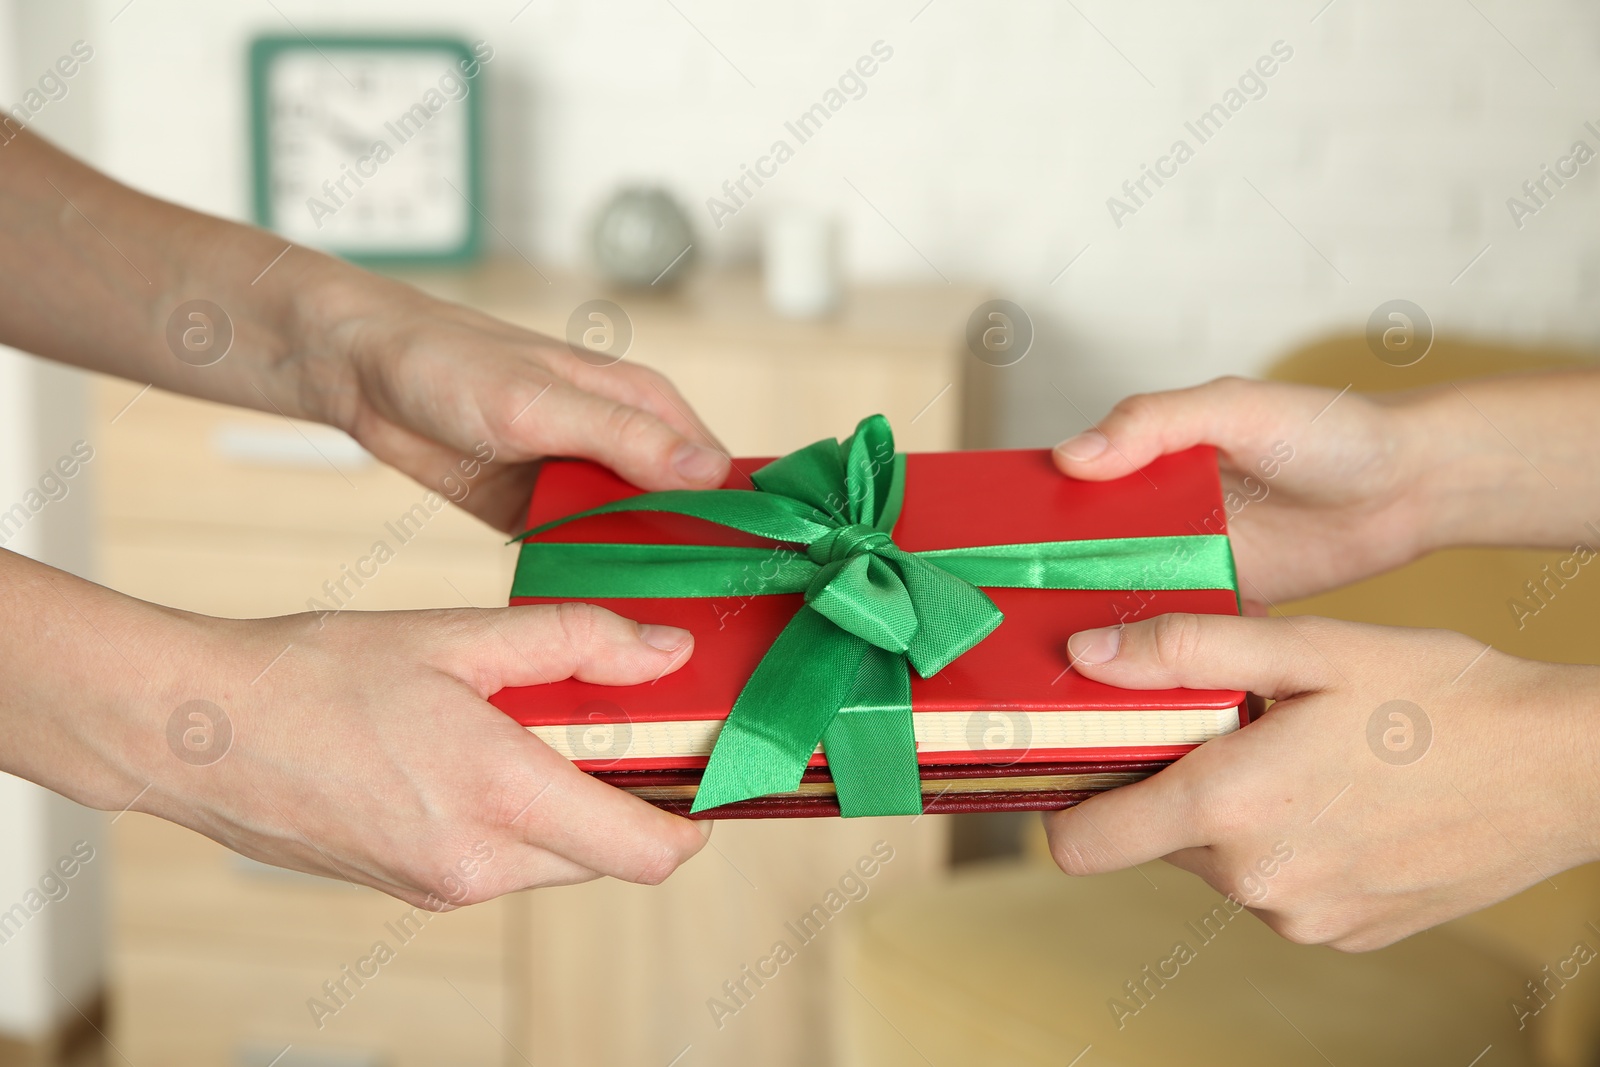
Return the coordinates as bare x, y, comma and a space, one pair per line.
992, 139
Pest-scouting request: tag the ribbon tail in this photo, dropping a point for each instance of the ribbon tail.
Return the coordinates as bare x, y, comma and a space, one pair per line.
779, 719
872, 752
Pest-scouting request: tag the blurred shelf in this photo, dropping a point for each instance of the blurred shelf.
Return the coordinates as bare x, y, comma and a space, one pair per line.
765, 384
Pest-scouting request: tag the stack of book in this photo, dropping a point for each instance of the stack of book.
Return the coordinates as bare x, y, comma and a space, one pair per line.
1009, 725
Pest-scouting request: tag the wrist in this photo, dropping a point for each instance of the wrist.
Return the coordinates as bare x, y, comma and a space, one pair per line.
321, 322
1476, 485
289, 308
1566, 712
87, 708
157, 744
1454, 470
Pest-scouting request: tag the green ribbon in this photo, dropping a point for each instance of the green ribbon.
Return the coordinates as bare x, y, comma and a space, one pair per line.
837, 673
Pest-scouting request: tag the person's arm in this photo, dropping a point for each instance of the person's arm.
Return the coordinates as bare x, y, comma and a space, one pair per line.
1329, 488
91, 272
363, 749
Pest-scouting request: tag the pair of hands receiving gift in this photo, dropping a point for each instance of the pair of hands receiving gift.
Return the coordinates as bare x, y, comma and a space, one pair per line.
1478, 781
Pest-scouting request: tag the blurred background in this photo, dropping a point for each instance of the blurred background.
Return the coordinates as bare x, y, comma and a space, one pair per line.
976, 219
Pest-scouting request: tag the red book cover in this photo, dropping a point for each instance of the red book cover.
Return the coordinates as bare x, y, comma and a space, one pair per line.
952, 500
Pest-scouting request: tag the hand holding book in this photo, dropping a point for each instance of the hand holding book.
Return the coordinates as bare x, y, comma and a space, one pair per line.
1414, 775
1320, 486
1411, 780
359, 747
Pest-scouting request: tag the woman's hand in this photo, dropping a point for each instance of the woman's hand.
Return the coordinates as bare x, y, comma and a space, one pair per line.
424, 384
1322, 488
1402, 778
369, 752
358, 745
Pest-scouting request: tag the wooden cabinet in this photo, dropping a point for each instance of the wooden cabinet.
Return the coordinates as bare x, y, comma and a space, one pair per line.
215, 959
220, 960
245, 514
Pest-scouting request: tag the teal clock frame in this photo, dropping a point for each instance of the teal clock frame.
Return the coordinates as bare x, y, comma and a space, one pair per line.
265, 49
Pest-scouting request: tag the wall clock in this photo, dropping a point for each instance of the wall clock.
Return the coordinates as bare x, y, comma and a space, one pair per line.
369, 147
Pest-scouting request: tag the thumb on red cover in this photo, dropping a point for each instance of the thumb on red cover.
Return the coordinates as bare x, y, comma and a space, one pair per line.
636, 442
536, 644
1271, 657
1146, 426
1238, 416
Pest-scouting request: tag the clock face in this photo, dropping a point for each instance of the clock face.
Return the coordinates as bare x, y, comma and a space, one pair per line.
367, 150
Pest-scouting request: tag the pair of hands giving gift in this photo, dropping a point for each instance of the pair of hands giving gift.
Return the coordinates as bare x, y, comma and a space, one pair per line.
369, 750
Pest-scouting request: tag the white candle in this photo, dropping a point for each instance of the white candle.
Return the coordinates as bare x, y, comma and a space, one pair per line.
799, 263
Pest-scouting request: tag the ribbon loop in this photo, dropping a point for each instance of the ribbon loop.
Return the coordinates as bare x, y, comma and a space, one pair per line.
863, 595
869, 461
952, 615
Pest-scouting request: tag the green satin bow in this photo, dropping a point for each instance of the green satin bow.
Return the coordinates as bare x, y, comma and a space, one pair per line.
837, 673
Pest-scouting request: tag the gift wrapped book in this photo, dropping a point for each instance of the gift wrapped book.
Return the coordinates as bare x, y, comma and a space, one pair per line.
877, 633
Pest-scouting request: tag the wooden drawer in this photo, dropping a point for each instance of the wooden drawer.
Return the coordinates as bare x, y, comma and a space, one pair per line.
188, 520
173, 459
235, 1008
179, 891
245, 573
217, 959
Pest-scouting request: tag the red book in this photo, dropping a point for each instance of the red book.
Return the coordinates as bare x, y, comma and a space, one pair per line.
1007, 725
